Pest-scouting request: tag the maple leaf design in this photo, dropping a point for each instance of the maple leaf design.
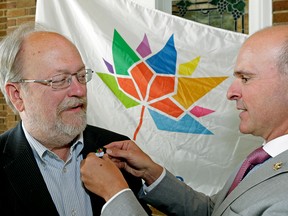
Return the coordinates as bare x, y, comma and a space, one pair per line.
151, 81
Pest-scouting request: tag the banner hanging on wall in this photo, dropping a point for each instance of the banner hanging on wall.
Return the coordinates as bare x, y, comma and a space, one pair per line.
161, 80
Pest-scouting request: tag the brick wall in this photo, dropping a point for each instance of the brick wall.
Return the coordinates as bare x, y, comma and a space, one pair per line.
13, 13
280, 12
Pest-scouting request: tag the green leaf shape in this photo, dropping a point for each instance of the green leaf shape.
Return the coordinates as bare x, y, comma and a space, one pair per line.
230, 8
123, 56
240, 6
112, 84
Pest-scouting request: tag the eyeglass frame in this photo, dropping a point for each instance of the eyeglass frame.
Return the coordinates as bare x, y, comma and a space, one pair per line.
68, 79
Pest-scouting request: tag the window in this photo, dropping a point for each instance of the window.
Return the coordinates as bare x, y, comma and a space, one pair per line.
227, 14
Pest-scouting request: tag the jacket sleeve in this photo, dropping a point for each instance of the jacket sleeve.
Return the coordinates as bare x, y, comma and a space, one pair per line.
125, 204
173, 197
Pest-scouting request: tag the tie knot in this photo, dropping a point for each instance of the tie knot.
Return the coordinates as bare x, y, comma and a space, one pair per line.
258, 156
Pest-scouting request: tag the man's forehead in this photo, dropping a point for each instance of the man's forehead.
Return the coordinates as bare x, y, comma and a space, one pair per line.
43, 39
40, 43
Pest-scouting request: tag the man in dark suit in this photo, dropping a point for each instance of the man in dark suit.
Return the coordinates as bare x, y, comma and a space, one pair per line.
260, 91
43, 79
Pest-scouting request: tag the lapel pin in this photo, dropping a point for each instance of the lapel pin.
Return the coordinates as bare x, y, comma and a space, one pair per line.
100, 152
277, 166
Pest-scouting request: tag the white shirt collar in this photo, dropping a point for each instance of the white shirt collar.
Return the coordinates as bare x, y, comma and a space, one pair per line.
276, 146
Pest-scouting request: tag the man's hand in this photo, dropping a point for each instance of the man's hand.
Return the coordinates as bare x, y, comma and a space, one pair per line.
126, 154
101, 176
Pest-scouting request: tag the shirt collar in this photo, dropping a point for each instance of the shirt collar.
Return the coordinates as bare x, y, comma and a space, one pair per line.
276, 146
41, 150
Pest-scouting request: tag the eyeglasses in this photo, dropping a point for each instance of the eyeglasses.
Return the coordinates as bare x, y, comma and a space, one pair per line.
62, 81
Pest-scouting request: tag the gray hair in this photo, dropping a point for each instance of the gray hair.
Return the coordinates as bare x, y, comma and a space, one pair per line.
10, 59
282, 61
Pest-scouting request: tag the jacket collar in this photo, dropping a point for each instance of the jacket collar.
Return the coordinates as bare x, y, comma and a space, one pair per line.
254, 178
23, 173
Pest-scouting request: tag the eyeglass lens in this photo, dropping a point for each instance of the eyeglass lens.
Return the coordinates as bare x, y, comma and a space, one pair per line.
64, 80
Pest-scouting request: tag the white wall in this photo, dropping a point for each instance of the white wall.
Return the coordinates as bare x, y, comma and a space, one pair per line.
164, 5
260, 14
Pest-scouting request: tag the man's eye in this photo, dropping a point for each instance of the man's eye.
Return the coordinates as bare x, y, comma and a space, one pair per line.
244, 79
82, 76
59, 80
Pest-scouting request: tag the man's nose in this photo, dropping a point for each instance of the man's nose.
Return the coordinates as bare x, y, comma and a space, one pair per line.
234, 91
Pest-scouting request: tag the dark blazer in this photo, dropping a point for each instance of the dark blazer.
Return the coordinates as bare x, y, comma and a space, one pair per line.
23, 190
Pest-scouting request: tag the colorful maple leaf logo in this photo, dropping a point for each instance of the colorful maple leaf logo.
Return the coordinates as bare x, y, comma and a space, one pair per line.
152, 82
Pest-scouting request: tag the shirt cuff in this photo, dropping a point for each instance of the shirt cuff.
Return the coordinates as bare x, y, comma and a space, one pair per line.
147, 189
113, 197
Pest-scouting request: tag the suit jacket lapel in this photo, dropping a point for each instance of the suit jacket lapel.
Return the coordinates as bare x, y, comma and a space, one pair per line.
23, 173
254, 178
94, 138
92, 141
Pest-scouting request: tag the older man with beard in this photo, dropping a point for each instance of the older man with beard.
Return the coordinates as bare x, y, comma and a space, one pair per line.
43, 79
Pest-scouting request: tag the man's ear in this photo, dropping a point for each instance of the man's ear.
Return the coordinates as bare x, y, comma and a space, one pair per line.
13, 92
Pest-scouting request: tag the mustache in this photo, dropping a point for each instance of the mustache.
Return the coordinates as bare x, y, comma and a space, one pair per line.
72, 102
241, 105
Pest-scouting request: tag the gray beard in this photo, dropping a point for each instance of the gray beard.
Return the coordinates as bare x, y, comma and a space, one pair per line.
69, 132
59, 133
65, 133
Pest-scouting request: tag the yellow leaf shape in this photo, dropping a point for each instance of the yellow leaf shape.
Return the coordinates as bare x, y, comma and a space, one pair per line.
188, 68
192, 89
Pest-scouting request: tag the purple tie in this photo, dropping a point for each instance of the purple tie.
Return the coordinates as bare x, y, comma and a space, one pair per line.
258, 156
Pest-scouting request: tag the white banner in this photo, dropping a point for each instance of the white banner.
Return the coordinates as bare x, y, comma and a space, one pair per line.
161, 80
